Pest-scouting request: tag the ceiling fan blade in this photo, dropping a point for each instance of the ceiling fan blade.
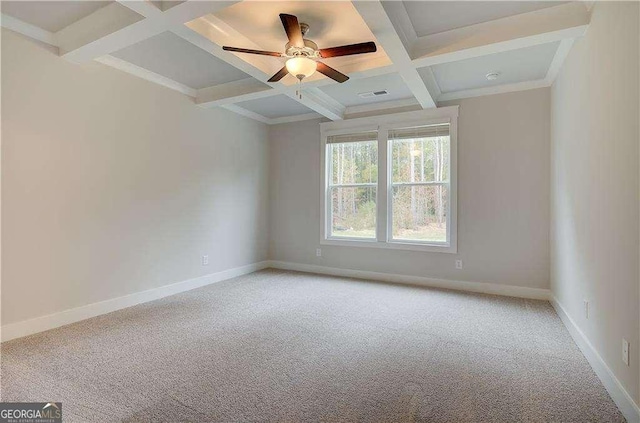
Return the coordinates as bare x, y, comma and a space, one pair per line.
348, 50
248, 50
331, 72
292, 28
278, 76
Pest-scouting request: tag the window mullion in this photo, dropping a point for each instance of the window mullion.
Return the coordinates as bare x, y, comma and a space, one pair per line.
327, 195
352, 185
381, 195
417, 184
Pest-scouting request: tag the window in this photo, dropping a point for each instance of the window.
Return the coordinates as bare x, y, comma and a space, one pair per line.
420, 183
390, 181
353, 185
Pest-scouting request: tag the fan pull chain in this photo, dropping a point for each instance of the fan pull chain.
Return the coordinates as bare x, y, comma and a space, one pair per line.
299, 89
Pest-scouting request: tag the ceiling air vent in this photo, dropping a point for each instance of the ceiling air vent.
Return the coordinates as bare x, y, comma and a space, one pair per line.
373, 94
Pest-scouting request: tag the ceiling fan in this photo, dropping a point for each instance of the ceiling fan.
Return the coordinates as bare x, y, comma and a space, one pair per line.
302, 54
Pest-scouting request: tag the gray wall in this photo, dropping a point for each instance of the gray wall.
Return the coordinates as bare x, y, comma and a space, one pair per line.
503, 198
113, 185
595, 210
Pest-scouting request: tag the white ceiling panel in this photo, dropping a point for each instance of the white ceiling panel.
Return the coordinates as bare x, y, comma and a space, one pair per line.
275, 107
51, 16
171, 56
347, 93
527, 64
431, 17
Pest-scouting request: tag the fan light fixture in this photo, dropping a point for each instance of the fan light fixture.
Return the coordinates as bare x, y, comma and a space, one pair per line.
302, 54
301, 67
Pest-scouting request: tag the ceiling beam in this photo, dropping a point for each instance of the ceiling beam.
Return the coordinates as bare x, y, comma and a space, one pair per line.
144, 8
558, 59
269, 121
295, 118
247, 113
109, 29
31, 31
543, 26
382, 28
234, 92
385, 105
316, 100
143, 73
101, 23
399, 17
250, 89
496, 89
430, 81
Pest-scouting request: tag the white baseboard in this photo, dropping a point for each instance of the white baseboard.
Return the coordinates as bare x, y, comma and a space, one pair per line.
483, 287
51, 321
620, 396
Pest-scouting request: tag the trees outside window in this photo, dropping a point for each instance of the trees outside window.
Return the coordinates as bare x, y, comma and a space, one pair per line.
420, 182
353, 186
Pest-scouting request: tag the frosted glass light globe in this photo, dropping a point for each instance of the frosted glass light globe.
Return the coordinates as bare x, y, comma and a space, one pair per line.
301, 67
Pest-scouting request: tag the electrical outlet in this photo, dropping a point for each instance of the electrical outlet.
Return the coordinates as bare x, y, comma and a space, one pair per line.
586, 309
205, 260
625, 352
458, 264
318, 252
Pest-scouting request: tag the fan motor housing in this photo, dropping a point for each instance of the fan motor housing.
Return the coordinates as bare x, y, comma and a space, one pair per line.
310, 49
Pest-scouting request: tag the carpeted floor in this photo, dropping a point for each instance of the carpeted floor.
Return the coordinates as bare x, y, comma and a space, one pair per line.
284, 346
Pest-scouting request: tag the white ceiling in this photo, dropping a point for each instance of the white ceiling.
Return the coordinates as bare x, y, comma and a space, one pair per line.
347, 93
51, 15
171, 56
177, 44
275, 107
526, 64
431, 17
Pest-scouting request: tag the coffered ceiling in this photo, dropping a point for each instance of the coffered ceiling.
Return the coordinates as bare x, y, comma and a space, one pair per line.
427, 51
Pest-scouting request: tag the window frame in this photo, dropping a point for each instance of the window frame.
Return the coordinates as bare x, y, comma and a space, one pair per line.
384, 195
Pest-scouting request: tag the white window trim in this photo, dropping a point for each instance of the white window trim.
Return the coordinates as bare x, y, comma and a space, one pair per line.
382, 124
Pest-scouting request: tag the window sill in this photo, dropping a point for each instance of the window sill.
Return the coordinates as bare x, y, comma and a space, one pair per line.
406, 246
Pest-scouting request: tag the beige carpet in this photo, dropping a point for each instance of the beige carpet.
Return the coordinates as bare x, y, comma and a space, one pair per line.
284, 346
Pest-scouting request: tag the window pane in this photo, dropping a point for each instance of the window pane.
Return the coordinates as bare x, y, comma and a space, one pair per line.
420, 159
353, 212
354, 162
420, 213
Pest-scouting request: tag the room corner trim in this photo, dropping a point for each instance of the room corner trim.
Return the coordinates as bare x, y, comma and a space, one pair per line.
482, 287
52, 321
620, 396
